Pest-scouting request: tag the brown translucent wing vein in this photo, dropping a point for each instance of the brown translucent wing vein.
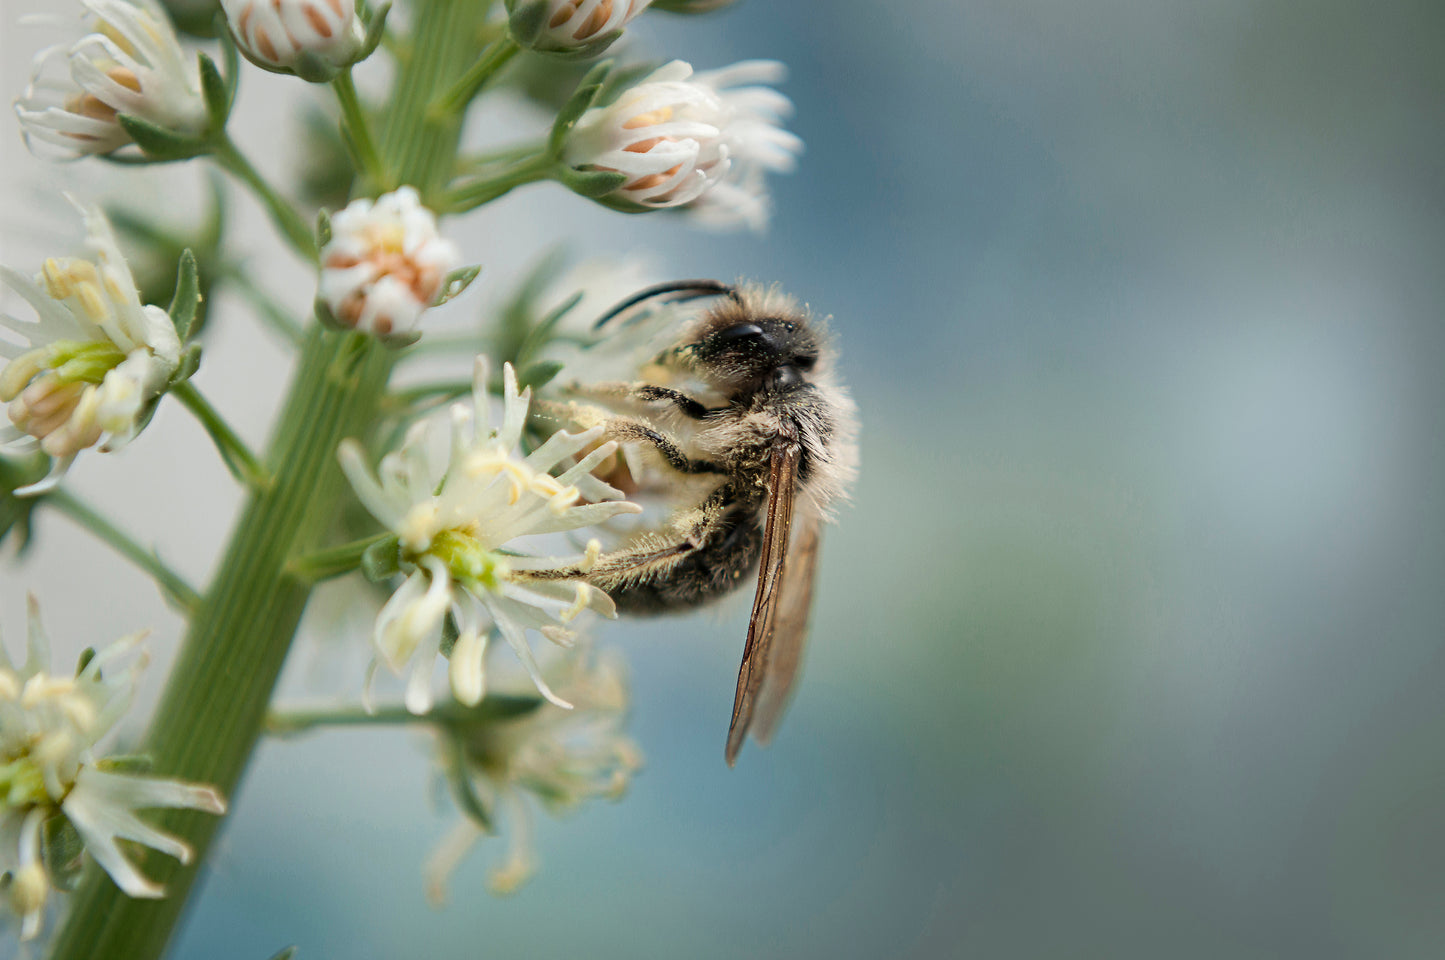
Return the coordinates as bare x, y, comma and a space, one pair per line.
782, 484
794, 601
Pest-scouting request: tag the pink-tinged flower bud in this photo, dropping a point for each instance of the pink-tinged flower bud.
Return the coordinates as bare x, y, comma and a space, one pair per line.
306, 37
385, 264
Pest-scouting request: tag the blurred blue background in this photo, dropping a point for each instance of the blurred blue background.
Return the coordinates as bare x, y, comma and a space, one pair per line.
1133, 641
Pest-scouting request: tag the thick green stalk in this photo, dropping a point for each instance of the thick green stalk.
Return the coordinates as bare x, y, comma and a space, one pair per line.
209, 719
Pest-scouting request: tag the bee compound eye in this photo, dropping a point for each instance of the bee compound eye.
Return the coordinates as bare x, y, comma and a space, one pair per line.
739, 331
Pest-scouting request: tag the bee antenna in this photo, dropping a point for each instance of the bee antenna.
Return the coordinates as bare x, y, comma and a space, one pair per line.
687, 290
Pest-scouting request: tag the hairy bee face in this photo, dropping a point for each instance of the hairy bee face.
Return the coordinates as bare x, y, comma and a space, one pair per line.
741, 355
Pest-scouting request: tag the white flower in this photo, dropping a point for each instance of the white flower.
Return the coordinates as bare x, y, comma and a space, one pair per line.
452, 531
562, 757
49, 726
573, 23
280, 33
92, 361
131, 63
679, 137
385, 263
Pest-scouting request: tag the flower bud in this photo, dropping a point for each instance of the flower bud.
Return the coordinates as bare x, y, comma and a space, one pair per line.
580, 28
385, 264
310, 38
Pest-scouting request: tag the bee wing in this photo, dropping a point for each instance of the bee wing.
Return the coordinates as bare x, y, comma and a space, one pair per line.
762, 627
790, 625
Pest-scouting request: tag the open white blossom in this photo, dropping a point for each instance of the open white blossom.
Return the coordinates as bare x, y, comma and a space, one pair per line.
561, 757
680, 137
129, 62
49, 727
385, 263
92, 361
280, 33
453, 531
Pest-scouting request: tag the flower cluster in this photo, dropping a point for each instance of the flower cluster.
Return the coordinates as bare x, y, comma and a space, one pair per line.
130, 64
94, 360
384, 264
49, 727
561, 757
452, 534
701, 141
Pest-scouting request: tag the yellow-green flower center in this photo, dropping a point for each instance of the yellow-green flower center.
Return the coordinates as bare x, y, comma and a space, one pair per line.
467, 560
71, 361
21, 783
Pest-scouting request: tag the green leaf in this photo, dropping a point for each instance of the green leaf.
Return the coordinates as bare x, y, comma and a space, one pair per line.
455, 282
190, 363
382, 560
60, 850
464, 792
527, 20
157, 142
592, 184
187, 296
323, 229
538, 375
582, 98
217, 93
86, 655
450, 633
375, 31
541, 333
286, 954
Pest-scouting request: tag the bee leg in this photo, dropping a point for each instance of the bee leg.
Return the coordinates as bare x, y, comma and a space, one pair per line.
625, 429
647, 393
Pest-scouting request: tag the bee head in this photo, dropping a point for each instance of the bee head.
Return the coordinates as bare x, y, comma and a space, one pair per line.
741, 352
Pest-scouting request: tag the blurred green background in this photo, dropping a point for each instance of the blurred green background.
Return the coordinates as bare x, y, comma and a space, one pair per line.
1133, 641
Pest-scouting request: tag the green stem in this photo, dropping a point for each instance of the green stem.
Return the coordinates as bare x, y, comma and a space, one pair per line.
238, 457
368, 161
493, 58
494, 708
443, 391
333, 561
171, 583
287, 220
473, 194
476, 162
207, 724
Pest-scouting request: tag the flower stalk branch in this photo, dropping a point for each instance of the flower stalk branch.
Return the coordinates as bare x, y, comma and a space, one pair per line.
172, 584
358, 129
237, 456
493, 58
333, 561
297, 231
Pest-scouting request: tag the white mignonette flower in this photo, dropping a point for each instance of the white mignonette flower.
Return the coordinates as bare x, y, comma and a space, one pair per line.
49, 727
385, 263
678, 136
91, 363
562, 757
453, 530
131, 64
575, 23
279, 34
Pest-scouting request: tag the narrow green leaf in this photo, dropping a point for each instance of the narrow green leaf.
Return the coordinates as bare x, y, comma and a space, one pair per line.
216, 91
286, 954
375, 31
187, 297
539, 374
86, 655
323, 228
455, 283
582, 98
592, 184
156, 142
381, 560
450, 633
60, 850
464, 792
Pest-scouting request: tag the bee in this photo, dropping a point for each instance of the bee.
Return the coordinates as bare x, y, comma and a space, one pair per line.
746, 402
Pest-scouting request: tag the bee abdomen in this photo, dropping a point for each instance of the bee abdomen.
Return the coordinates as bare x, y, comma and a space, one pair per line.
722, 564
